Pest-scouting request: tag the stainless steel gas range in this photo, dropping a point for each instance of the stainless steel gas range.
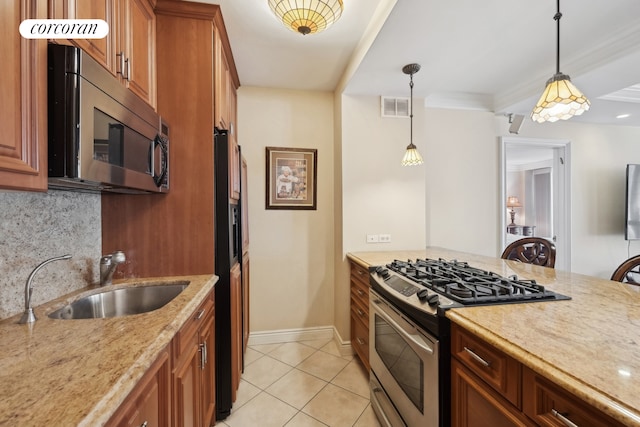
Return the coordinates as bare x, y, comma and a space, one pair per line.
409, 334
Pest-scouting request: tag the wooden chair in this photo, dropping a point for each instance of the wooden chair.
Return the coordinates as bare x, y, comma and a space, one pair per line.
628, 271
532, 250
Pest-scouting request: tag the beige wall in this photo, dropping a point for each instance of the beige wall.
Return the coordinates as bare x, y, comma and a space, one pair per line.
291, 251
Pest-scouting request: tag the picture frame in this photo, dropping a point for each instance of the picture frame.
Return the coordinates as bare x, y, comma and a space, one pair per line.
291, 178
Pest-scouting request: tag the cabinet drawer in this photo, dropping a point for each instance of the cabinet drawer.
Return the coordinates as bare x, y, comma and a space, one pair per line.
549, 405
187, 334
359, 311
360, 339
359, 274
498, 370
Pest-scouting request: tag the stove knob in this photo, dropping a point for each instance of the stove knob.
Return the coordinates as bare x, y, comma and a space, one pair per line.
379, 269
385, 273
422, 294
433, 299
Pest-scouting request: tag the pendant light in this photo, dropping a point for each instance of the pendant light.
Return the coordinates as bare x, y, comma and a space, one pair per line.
307, 16
560, 100
411, 156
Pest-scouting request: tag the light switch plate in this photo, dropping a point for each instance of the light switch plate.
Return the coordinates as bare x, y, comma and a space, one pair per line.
385, 238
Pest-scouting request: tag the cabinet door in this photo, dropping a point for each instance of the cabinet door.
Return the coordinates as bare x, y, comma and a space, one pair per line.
234, 169
222, 79
102, 50
475, 404
186, 388
236, 329
138, 48
23, 88
245, 302
149, 403
208, 370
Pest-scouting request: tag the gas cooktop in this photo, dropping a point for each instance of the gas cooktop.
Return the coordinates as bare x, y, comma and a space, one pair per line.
468, 285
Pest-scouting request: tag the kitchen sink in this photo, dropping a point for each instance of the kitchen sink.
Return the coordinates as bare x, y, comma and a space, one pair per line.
121, 302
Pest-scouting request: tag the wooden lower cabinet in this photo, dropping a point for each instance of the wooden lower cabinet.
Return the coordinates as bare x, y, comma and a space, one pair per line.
550, 405
360, 312
475, 404
491, 389
194, 369
236, 329
149, 404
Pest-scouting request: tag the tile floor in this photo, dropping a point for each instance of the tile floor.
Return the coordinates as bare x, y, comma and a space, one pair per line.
301, 384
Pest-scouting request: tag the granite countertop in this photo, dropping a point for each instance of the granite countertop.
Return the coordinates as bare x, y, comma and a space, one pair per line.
589, 345
78, 372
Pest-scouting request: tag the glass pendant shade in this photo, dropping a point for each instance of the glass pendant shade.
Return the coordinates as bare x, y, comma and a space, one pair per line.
412, 157
560, 100
307, 16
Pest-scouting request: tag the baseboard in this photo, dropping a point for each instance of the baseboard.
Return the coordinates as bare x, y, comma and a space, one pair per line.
302, 334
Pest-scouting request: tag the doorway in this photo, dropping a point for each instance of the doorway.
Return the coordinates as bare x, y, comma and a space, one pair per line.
535, 176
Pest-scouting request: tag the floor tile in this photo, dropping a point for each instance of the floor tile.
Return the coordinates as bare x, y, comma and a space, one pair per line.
266, 348
368, 418
296, 388
251, 356
336, 407
332, 348
246, 392
263, 410
317, 343
265, 371
303, 420
355, 378
292, 353
323, 365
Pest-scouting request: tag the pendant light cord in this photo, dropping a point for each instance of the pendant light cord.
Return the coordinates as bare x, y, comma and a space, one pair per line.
411, 109
557, 17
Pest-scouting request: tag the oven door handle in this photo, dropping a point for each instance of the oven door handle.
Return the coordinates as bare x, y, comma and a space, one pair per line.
415, 338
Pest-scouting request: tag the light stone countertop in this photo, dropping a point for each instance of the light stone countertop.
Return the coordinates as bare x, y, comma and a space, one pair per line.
78, 372
589, 345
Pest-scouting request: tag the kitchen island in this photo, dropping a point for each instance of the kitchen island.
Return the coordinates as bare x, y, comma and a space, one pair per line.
589, 345
58, 372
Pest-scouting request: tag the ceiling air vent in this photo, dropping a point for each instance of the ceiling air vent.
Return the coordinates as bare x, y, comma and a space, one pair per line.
394, 107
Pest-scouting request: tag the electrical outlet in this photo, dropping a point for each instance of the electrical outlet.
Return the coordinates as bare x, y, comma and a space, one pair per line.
373, 238
384, 238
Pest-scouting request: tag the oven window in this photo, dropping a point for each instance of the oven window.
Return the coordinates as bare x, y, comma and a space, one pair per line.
402, 362
117, 144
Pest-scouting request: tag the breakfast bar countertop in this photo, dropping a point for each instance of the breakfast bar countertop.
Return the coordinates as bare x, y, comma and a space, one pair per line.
78, 372
589, 345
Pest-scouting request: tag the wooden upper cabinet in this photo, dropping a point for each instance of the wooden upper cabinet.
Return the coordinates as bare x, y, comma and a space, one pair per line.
129, 50
221, 109
137, 47
23, 89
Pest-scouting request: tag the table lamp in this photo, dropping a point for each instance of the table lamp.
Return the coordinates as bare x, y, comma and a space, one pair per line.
513, 202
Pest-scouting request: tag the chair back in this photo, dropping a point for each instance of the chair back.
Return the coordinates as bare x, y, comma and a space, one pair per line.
628, 271
532, 250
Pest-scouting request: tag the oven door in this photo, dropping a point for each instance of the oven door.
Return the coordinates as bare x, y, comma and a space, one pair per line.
404, 359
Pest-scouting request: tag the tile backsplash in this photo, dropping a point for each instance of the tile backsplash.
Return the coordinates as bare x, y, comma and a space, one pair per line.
37, 226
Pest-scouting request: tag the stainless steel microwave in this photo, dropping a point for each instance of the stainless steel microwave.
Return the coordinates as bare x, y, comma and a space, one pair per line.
102, 137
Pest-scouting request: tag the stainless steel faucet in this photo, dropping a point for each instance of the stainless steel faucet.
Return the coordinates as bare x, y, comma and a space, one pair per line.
28, 316
108, 264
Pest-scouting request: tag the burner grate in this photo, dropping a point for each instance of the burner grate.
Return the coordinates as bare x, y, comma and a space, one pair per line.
460, 282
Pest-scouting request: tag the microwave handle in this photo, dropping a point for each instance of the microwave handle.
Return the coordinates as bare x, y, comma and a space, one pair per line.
158, 141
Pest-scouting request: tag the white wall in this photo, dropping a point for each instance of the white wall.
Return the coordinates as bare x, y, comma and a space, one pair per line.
291, 251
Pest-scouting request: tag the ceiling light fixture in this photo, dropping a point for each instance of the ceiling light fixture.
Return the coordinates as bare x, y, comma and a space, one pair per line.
560, 100
411, 156
307, 16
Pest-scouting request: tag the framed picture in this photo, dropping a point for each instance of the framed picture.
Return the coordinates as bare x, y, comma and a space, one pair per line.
291, 178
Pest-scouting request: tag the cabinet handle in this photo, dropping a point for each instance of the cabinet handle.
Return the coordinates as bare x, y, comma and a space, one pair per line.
477, 358
360, 272
200, 314
360, 312
360, 293
360, 341
120, 56
566, 421
128, 67
203, 355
